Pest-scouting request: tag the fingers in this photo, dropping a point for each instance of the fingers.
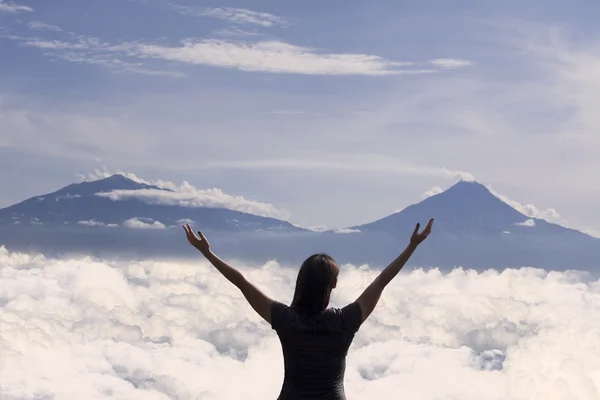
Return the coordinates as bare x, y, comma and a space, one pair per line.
416, 231
191, 235
429, 226
188, 232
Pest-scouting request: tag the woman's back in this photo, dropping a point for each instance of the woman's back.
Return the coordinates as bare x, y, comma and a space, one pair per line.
315, 349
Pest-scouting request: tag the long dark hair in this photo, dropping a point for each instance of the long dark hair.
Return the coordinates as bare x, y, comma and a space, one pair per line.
316, 278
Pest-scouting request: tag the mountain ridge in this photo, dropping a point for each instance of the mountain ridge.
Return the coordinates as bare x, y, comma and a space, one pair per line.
81, 204
473, 228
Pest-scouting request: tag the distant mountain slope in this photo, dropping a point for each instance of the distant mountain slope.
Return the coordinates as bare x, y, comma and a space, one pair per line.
468, 208
80, 204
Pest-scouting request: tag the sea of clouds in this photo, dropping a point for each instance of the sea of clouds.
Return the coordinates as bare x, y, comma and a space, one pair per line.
95, 329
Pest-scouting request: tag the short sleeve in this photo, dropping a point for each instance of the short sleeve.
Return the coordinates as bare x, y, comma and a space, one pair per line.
277, 314
352, 316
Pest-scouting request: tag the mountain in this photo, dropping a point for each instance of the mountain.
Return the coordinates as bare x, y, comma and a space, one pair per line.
467, 208
473, 229
89, 204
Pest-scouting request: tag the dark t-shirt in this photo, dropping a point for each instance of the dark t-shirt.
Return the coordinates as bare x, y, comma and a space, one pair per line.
314, 350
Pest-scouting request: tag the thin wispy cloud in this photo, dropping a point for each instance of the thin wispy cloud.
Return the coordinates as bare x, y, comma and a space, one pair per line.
233, 15
263, 56
365, 164
292, 113
82, 49
41, 26
450, 63
236, 32
272, 56
10, 7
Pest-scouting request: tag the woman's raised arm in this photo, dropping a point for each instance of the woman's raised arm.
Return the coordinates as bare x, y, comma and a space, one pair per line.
370, 297
260, 302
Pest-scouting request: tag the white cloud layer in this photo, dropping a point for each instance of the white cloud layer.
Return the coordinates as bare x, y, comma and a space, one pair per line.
93, 222
137, 223
189, 196
10, 7
346, 230
185, 195
316, 228
549, 214
528, 223
433, 191
91, 329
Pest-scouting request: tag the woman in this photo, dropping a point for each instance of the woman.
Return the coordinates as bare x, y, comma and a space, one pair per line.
314, 338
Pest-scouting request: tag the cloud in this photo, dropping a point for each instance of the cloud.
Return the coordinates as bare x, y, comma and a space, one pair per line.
450, 63
95, 329
529, 223
234, 15
41, 26
272, 56
142, 223
184, 195
82, 49
9, 7
235, 31
184, 221
346, 231
289, 113
315, 228
187, 195
433, 191
549, 214
93, 222
103, 172
592, 232
67, 196
349, 163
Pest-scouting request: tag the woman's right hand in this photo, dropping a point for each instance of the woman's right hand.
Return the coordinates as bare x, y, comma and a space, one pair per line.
417, 238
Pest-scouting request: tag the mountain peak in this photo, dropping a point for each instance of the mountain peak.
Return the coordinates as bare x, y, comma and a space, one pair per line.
115, 178
466, 207
108, 184
468, 187
117, 181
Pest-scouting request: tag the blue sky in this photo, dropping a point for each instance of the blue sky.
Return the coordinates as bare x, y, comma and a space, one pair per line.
338, 112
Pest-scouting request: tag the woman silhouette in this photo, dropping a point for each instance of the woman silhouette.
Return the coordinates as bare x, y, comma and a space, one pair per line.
314, 338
